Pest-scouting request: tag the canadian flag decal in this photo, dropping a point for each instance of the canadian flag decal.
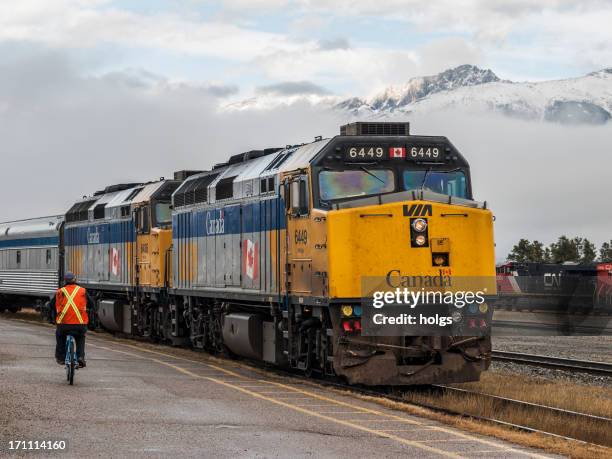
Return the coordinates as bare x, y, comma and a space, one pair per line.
114, 261
250, 257
397, 152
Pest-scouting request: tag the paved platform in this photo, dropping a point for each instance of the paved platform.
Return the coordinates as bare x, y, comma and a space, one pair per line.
141, 401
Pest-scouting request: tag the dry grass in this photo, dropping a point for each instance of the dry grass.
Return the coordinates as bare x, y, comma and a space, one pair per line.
560, 394
592, 431
567, 448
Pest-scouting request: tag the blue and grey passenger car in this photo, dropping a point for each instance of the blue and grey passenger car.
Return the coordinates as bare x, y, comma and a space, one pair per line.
30, 260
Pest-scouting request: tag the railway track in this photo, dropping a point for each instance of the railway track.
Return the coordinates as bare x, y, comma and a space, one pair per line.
574, 365
562, 328
498, 405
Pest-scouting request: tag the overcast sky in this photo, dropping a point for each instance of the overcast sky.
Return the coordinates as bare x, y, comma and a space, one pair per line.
344, 46
93, 92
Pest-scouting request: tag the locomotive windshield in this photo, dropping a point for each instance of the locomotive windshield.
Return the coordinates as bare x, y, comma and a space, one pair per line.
451, 183
350, 183
163, 213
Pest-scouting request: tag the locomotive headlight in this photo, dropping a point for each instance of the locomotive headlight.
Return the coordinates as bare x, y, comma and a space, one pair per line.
347, 310
420, 240
419, 225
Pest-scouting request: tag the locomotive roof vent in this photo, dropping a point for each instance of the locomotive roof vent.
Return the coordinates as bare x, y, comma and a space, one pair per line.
115, 188
242, 157
120, 187
365, 128
182, 175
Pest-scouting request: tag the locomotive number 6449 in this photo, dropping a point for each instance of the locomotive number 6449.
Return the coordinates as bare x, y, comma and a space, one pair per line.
429, 153
358, 153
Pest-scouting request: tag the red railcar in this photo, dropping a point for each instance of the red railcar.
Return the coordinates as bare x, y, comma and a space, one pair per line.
603, 291
553, 287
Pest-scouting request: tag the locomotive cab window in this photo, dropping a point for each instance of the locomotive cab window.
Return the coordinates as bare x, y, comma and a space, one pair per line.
299, 196
162, 214
142, 220
352, 183
452, 183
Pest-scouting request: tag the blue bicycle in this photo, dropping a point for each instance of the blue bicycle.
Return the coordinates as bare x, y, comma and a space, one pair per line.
72, 364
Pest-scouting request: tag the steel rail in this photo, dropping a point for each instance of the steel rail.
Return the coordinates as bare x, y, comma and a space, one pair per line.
559, 363
500, 401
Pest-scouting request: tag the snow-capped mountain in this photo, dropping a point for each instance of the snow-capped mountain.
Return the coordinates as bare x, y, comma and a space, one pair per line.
581, 100
416, 89
586, 99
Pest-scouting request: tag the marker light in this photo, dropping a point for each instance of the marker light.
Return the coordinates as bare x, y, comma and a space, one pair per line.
420, 240
439, 260
347, 310
347, 327
419, 225
357, 311
357, 325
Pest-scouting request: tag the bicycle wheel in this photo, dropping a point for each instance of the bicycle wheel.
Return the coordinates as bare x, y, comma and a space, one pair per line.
70, 357
67, 358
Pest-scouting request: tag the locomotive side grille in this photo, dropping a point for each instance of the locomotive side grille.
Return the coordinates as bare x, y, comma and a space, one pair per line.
225, 188
193, 191
180, 197
201, 194
361, 128
99, 211
78, 212
179, 200
189, 192
165, 192
201, 188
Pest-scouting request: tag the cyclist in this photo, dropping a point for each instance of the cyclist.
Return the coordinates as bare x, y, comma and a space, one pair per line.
69, 310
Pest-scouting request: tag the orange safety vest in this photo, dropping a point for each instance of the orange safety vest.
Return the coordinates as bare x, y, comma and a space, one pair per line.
71, 305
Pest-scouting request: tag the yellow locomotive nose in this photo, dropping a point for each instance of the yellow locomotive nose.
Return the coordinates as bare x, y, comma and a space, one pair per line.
378, 240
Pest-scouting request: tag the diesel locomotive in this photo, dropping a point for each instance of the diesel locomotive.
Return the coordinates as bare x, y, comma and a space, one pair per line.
263, 256
567, 287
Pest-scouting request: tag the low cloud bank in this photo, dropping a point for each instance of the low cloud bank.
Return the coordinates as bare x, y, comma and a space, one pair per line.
65, 135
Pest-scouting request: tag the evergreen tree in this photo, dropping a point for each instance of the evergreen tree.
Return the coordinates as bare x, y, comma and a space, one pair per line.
565, 250
577, 249
521, 251
587, 251
536, 253
605, 253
